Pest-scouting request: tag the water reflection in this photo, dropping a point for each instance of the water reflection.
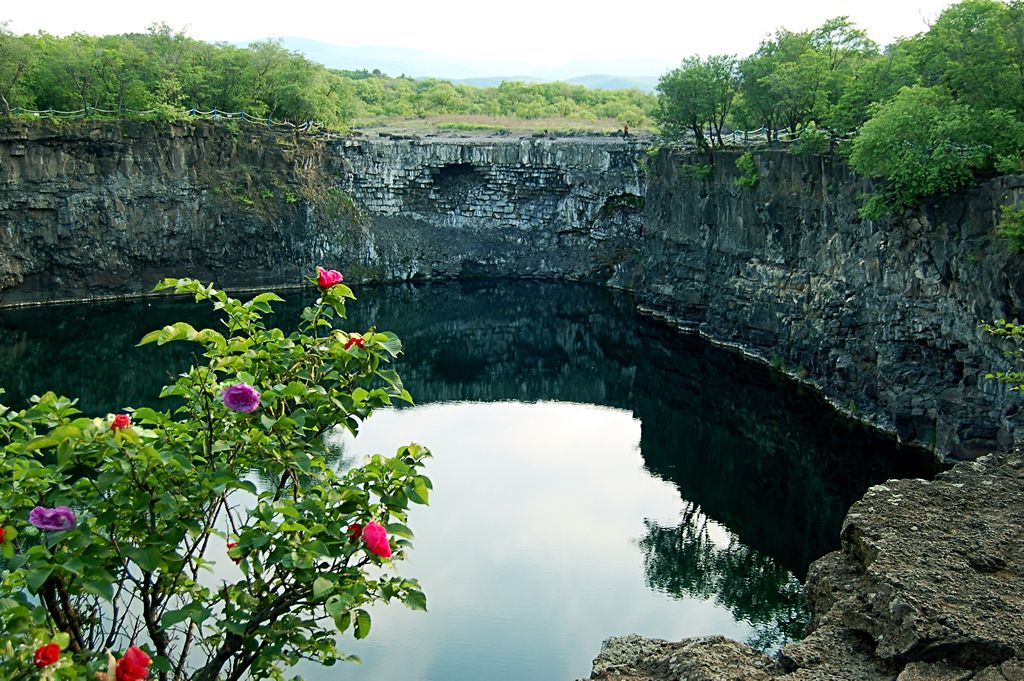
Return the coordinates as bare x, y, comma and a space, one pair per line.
754, 453
685, 561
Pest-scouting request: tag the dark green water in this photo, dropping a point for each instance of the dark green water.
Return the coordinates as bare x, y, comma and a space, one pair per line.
596, 473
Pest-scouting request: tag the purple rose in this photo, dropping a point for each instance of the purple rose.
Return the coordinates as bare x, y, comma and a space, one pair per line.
241, 397
52, 519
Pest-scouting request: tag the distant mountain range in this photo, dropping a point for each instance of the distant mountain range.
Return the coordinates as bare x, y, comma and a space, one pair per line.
597, 81
396, 61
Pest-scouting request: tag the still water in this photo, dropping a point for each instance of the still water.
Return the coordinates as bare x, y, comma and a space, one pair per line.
595, 472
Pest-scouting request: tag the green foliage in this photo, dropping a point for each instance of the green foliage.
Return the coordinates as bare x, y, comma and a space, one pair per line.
471, 126
158, 499
748, 171
924, 142
1014, 334
1011, 227
812, 141
138, 72
696, 98
696, 171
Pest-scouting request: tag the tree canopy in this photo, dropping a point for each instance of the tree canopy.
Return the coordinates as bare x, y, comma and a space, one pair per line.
161, 68
926, 114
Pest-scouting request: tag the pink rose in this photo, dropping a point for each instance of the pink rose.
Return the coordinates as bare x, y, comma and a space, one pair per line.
376, 538
328, 278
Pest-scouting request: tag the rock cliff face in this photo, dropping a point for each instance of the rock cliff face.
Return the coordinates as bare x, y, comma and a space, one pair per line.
882, 316
567, 208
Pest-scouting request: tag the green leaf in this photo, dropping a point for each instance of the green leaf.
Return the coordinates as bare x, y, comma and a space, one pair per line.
193, 611
39, 443
418, 492
338, 604
36, 577
390, 341
322, 587
342, 621
400, 530
103, 588
416, 600
362, 629
148, 559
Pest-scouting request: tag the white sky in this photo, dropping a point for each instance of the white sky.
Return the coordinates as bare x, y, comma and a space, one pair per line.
542, 32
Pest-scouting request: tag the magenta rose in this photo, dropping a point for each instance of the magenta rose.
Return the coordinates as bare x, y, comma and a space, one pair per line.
241, 397
53, 519
376, 538
328, 278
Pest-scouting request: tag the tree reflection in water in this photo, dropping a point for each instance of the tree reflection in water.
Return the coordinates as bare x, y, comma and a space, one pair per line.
685, 561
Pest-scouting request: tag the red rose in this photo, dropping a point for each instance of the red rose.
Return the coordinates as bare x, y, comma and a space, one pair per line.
133, 665
355, 530
355, 340
3, 538
47, 655
328, 278
231, 545
121, 421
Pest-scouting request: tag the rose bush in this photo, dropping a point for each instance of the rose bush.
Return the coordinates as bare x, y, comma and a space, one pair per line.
115, 530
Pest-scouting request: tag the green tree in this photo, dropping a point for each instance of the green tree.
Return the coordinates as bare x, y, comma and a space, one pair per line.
697, 97
15, 59
924, 142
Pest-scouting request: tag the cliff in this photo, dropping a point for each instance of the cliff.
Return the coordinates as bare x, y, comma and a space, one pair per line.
880, 315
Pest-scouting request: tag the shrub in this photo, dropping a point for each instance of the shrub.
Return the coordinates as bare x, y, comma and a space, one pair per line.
812, 141
748, 170
1011, 227
111, 525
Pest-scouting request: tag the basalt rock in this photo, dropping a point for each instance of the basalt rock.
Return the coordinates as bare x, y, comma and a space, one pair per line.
929, 584
881, 316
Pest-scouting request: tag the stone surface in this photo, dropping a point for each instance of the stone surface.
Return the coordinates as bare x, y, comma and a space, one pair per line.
882, 316
929, 584
712, 658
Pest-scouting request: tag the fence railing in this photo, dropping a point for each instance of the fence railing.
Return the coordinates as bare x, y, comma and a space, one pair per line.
763, 135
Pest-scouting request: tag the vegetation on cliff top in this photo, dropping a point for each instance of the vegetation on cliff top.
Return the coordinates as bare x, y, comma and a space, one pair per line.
926, 114
171, 73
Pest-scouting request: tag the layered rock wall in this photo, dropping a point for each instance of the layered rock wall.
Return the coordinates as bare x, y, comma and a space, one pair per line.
881, 315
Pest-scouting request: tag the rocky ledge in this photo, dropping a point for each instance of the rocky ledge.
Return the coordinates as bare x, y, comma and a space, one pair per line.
928, 584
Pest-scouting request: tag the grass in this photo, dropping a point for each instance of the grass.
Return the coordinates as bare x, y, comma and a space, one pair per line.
497, 124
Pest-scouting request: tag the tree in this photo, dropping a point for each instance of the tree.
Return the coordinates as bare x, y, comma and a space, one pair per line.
697, 97
974, 51
924, 142
15, 60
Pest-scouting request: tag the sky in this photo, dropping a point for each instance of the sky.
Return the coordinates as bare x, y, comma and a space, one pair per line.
652, 34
